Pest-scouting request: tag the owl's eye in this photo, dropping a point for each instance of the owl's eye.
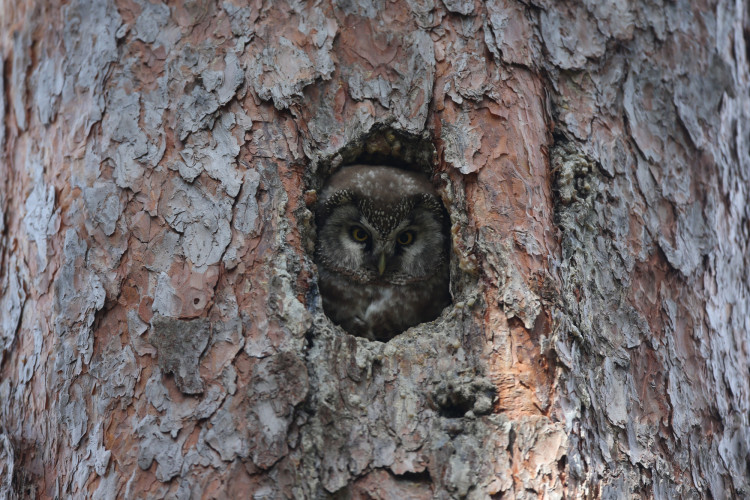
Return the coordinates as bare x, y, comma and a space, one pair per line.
359, 234
405, 238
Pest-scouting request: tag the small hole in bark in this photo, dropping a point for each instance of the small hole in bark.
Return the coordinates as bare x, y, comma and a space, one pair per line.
453, 401
196, 301
455, 411
382, 235
415, 477
511, 439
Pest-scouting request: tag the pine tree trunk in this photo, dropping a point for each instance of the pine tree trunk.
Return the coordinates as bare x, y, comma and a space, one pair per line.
161, 333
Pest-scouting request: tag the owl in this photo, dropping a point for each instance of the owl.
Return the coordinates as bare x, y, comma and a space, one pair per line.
381, 251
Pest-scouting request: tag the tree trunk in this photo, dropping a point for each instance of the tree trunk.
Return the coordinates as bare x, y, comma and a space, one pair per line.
161, 331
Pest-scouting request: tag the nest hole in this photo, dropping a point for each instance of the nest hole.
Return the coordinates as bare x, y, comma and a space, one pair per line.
382, 146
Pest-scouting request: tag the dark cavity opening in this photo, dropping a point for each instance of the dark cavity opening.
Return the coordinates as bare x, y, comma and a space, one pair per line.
382, 240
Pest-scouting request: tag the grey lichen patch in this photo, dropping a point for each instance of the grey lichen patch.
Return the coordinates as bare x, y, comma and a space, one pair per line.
246, 211
89, 37
255, 422
225, 437
167, 301
48, 80
571, 36
516, 296
21, 63
12, 300
40, 220
242, 19
694, 240
7, 466
202, 217
364, 8
2, 109
117, 371
151, 21
575, 173
510, 34
213, 88
103, 205
73, 410
215, 152
650, 110
129, 146
282, 70
159, 446
698, 99
463, 7
79, 294
462, 142
464, 396
408, 96
179, 345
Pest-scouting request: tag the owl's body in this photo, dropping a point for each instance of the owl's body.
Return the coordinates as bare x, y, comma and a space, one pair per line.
382, 251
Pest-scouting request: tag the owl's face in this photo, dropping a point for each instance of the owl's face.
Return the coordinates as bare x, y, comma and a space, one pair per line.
381, 224
382, 250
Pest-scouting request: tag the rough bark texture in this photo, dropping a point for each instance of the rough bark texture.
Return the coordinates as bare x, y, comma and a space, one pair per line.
161, 335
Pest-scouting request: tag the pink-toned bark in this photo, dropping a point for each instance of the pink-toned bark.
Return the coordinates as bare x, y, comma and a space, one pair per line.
161, 331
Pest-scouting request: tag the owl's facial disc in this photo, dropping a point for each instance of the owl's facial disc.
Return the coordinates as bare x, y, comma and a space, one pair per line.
379, 240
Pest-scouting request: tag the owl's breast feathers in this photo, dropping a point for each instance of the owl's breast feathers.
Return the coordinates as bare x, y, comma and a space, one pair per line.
382, 311
364, 276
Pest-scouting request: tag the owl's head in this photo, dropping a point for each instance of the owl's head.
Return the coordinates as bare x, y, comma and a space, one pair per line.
381, 224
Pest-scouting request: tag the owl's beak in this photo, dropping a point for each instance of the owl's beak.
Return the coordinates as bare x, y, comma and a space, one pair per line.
381, 263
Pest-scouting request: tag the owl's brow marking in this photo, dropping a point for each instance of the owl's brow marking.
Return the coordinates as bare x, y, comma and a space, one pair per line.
387, 221
337, 199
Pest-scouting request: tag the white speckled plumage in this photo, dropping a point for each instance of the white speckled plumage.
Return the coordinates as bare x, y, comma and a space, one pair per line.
379, 287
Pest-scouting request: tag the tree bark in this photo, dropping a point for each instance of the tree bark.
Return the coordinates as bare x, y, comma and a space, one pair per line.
161, 331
